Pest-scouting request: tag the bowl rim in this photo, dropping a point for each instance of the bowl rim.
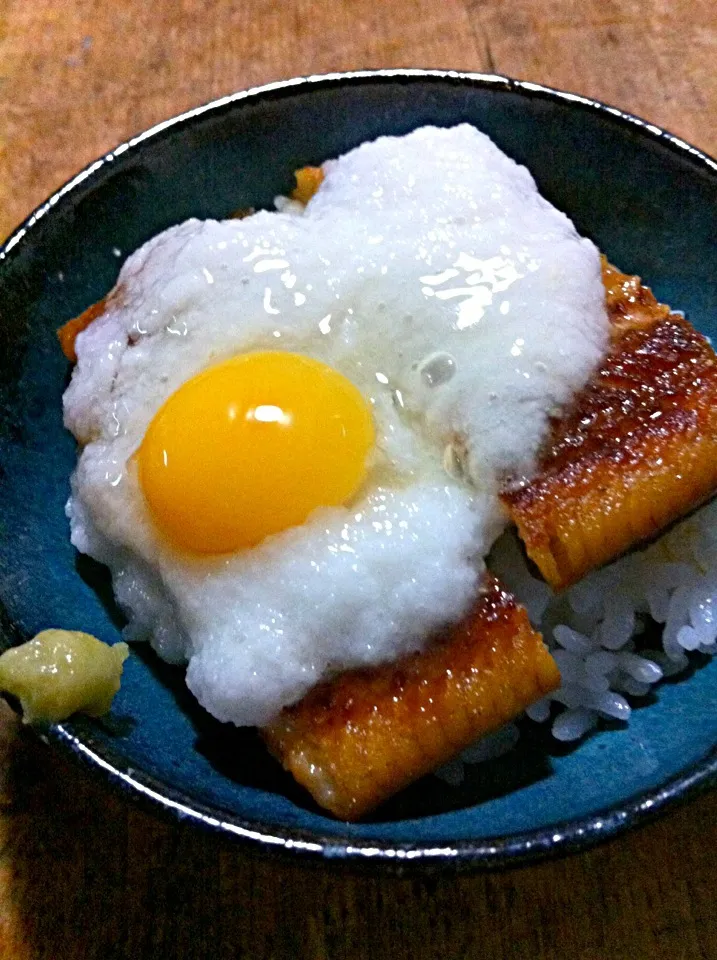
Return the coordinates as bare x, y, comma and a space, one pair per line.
258, 836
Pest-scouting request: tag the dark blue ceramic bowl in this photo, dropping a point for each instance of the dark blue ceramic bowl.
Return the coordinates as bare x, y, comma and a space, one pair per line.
646, 198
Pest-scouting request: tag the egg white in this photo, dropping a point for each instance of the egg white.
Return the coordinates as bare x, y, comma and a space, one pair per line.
428, 270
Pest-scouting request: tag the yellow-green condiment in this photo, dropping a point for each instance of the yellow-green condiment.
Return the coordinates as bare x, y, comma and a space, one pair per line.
62, 672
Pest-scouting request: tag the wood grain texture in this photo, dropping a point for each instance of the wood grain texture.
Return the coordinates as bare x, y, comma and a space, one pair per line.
82, 876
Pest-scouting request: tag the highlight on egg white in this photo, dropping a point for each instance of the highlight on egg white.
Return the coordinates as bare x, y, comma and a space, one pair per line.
429, 272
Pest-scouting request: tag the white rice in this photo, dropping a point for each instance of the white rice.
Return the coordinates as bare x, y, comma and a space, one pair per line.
591, 629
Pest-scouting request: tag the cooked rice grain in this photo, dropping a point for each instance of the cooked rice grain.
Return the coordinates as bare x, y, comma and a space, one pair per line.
591, 628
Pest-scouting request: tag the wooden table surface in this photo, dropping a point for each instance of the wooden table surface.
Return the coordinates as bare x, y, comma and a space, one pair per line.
81, 874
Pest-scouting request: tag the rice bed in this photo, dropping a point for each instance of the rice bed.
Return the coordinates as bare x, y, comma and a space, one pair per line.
593, 629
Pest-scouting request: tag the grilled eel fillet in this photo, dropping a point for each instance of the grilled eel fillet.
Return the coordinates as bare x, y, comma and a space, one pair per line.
355, 741
67, 334
635, 452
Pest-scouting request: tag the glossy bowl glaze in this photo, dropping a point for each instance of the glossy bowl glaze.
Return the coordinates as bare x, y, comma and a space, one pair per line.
646, 198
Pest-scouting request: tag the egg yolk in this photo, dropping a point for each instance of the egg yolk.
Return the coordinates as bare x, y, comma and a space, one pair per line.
250, 447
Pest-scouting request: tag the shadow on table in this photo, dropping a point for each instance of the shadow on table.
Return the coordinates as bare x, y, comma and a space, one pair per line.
86, 876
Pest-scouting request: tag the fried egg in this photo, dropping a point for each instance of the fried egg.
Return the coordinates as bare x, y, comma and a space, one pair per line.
294, 425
